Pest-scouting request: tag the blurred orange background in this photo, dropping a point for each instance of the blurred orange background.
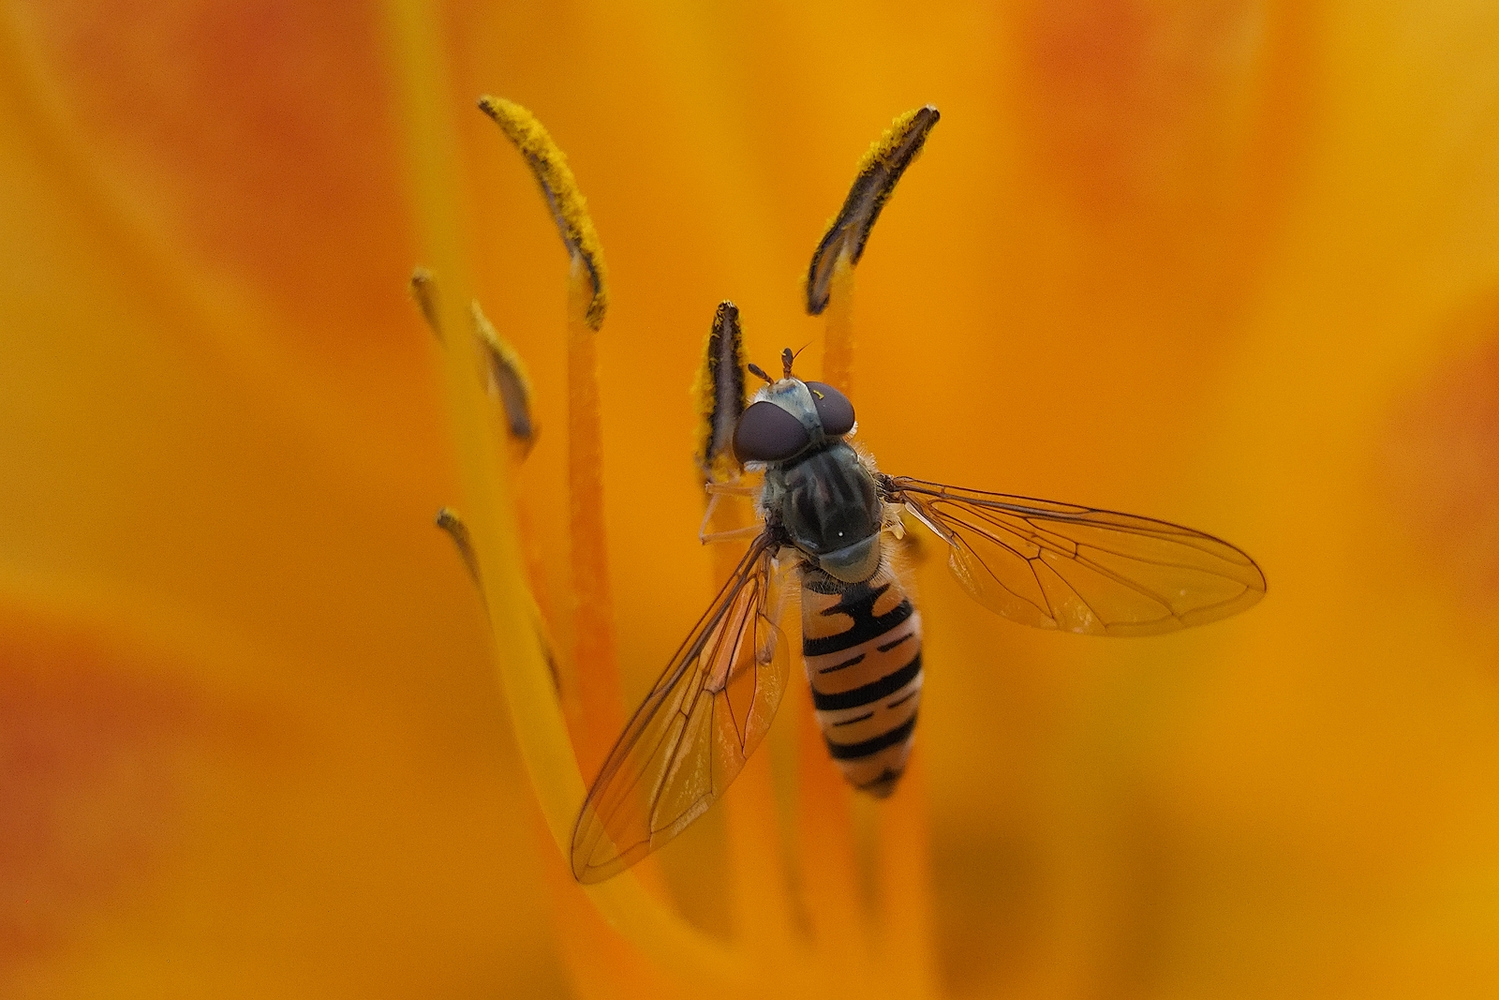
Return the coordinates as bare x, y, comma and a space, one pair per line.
1231, 264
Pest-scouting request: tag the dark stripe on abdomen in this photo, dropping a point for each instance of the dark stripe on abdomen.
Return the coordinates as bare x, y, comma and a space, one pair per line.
858, 604
886, 647
869, 747
852, 661
860, 696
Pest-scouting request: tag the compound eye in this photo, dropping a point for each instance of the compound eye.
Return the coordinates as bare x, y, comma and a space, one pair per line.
767, 433
833, 409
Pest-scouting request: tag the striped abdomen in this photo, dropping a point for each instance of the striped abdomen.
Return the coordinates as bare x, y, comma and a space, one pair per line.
861, 643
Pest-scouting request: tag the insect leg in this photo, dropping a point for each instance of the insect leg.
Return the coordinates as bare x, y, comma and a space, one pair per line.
891, 521
749, 531
716, 492
730, 490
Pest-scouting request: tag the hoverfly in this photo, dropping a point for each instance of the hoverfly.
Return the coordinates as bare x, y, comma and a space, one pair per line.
825, 510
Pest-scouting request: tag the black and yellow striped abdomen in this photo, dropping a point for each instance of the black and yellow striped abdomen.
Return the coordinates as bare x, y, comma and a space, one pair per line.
861, 643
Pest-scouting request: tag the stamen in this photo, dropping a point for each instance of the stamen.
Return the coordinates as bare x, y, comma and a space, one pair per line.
569, 210
879, 171
719, 390
830, 278
424, 291
760, 888
507, 379
593, 663
449, 521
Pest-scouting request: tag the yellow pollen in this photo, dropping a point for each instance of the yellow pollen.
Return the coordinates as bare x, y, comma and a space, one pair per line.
720, 396
879, 171
830, 277
569, 209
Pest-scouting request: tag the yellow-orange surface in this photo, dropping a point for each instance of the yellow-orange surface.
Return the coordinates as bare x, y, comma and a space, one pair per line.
1227, 263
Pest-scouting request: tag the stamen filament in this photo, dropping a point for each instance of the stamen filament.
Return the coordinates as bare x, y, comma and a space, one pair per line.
838, 336
602, 705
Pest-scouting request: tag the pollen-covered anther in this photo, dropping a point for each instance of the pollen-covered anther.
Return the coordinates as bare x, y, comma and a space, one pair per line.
568, 207
506, 378
424, 293
879, 171
720, 393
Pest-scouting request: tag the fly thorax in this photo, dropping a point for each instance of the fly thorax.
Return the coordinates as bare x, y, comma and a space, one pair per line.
830, 508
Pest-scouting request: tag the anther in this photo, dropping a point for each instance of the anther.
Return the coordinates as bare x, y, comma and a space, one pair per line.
424, 291
507, 379
879, 171
449, 521
569, 210
720, 393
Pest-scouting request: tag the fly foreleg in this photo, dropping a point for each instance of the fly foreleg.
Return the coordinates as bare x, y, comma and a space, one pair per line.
730, 489
716, 492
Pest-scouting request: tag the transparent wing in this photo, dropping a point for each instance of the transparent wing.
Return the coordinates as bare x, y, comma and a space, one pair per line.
1055, 565
706, 713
